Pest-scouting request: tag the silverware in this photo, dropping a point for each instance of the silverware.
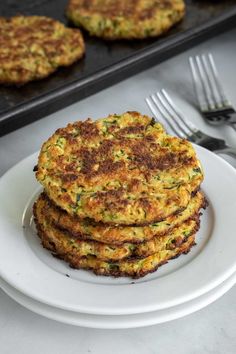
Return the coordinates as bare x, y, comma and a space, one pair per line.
183, 128
214, 105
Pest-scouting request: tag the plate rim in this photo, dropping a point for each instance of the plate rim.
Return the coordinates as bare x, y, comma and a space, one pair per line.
151, 318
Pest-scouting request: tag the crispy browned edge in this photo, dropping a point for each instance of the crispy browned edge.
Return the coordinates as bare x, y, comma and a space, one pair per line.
85, 237
130, 257
46, 242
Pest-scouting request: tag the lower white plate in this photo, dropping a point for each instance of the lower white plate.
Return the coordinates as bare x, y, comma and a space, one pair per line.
122, 321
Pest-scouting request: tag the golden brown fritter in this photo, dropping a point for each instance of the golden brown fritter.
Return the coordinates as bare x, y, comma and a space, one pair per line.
86, 229
123, 169
33, 47
134, 267
108, 252
122, 19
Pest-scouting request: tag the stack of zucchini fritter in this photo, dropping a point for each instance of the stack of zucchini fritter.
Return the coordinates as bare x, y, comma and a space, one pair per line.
121, 197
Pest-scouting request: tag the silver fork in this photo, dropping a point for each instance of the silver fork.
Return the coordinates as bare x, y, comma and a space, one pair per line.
214, 104
162, 103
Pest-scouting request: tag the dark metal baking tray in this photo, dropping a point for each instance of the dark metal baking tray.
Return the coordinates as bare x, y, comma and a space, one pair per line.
105, 63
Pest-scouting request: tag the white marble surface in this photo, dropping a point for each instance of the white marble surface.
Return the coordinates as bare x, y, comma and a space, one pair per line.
211, 330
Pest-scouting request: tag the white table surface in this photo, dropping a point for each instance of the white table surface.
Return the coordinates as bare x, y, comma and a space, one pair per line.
210, 330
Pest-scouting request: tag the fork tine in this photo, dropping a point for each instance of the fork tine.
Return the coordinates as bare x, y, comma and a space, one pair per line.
181, 129
154, 100
209, 90
191, 129
211, 82
220, 90
176, 117
149, 103
205, 83
201, 84
197, 85
164, 114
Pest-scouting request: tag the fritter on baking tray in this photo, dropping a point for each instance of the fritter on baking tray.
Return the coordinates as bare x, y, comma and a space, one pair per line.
87, 229
122, 19
99, 257
106, 251
123, 169
33, 47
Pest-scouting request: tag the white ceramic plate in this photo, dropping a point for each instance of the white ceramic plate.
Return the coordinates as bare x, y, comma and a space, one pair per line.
118, 322
26, 266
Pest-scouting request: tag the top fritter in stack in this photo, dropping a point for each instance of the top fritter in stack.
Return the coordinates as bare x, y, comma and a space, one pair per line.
121, 197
